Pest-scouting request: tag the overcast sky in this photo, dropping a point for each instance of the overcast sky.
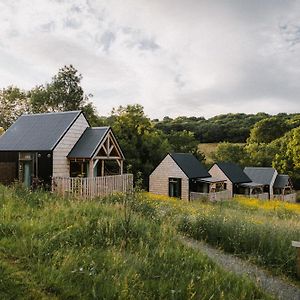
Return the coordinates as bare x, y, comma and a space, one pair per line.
175, 57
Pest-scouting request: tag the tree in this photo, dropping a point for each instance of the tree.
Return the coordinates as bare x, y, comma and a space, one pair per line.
13, 103
228, 152
287, 157
63, 93
185, 142
143, 145
267, 130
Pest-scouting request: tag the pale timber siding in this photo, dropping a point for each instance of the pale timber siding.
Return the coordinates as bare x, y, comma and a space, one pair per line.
215, 171
159, 179
61, 166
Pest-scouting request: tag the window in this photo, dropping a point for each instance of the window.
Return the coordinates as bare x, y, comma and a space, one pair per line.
175, 187
78, 168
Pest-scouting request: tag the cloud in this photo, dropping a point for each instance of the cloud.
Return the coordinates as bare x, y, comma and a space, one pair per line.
174, 57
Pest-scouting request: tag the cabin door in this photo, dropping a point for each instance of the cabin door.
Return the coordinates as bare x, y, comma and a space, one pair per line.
175, 187
27, 165
26, 168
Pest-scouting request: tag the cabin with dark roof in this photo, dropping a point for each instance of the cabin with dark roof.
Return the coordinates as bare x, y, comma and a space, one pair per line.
263, 175
231, 173
181, 175
39, 147
283, 188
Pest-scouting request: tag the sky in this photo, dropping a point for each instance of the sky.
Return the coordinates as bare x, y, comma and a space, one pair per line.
174, 57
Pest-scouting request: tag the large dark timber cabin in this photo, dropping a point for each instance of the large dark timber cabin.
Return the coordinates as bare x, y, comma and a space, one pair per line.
38, 147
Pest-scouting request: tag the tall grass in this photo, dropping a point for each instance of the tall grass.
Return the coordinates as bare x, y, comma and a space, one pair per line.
52, 248
259, 231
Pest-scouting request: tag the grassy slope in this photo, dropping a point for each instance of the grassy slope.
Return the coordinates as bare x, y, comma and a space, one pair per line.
57, 249
258, 230
209, 149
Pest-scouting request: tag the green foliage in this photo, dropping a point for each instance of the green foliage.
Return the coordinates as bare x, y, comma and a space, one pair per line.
268, 130
185, 142
64, 249
143, 145
63, 93
13, 103
228, 152
261, 154
287, 157
230, 127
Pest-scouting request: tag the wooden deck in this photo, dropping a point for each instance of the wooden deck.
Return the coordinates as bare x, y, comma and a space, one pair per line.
90, 187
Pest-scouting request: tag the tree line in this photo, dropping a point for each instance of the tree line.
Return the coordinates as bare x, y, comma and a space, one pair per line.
269, 140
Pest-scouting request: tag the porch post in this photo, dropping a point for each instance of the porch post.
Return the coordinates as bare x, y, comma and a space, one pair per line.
91, 168
102, 167
121, 167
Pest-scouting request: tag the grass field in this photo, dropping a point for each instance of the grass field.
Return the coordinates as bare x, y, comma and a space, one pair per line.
257, 230
51, 248
209, 149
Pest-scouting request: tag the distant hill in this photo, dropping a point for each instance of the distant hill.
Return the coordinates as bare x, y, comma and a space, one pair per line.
230, 127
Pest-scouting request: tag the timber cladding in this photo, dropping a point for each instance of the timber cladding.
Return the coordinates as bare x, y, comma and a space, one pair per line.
159, 179
215, 171
8, 172
60, 162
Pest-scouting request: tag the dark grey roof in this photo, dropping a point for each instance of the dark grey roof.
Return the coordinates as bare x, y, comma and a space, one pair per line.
37, 132
261, 175
281, 181
190, 165
88, 142
233, 172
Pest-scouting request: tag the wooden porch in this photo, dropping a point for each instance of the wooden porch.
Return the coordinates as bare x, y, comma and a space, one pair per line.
91, 187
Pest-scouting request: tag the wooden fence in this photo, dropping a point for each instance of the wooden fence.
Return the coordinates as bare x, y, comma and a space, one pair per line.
262, 196
217, 196
90, 187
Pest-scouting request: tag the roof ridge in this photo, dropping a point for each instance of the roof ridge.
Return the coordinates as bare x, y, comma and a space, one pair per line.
51, 113
99, 127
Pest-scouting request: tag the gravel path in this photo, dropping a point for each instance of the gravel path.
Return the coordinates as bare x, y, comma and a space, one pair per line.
273, 285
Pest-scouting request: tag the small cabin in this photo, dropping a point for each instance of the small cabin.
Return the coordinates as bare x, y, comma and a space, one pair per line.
181, 175
265, 176
236, 181
38, 147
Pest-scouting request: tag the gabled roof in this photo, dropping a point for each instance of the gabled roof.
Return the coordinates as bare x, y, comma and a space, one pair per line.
190, 165
234, 173
282, 181
88, 142
37, 132
263, 175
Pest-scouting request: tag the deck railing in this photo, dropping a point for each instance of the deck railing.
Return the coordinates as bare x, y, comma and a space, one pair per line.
262, 196
217, 196
90, 187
